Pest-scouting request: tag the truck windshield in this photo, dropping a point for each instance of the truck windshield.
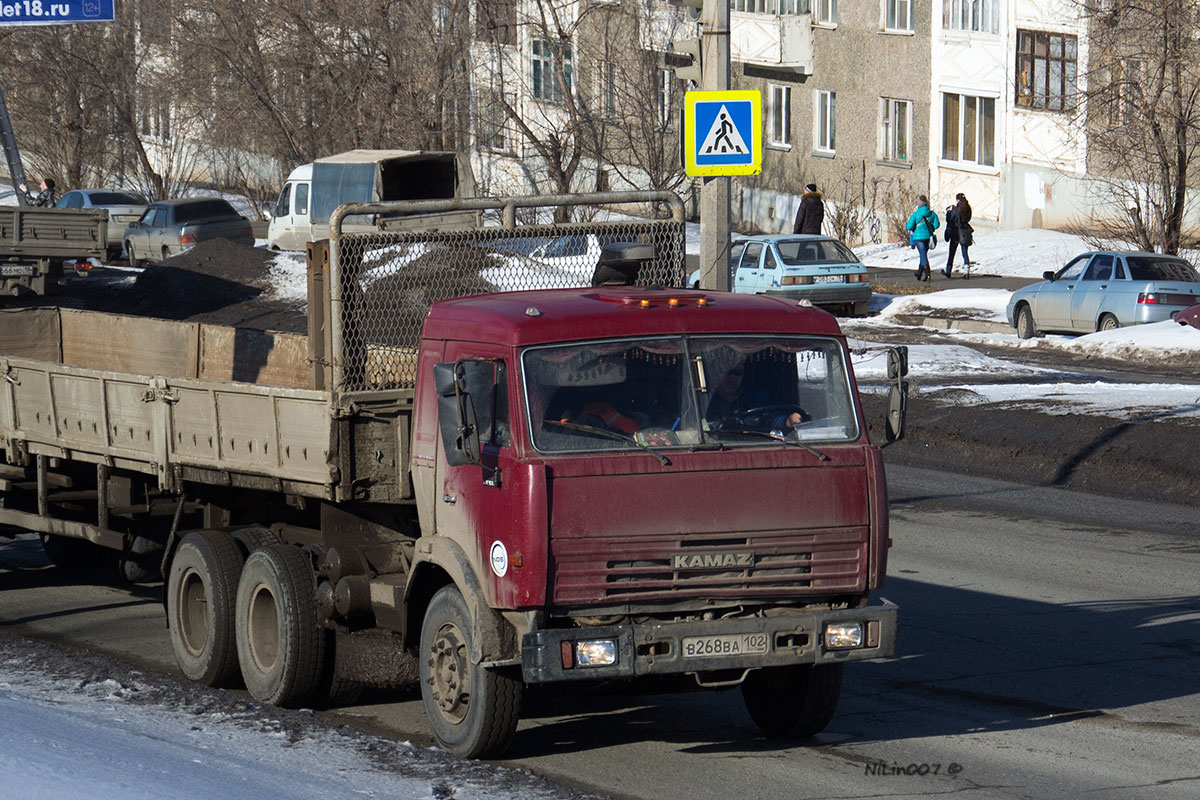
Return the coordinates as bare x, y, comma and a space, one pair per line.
688, 391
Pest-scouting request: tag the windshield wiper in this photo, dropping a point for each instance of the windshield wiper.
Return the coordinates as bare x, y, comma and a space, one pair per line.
622, 437
774, 438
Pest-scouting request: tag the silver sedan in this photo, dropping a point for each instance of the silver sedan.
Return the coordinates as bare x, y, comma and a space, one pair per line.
1104, 291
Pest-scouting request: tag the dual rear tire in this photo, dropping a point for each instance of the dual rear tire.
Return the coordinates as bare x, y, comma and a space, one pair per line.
247, 614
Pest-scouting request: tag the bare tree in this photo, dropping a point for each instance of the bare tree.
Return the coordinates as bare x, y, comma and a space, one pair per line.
1141, 114
634, 95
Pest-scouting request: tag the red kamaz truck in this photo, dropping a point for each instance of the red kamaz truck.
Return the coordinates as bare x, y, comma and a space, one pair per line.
541, 486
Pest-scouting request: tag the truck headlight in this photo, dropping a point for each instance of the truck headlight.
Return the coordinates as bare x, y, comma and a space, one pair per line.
840, 635
596, 653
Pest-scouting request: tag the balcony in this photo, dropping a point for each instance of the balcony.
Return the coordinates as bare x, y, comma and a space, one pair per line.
779, 42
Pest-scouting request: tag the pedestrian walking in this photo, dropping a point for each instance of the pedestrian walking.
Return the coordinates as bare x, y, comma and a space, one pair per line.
959, 233
811, 213
921, 225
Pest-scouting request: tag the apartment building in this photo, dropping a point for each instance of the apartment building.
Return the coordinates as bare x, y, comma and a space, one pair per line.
846, 99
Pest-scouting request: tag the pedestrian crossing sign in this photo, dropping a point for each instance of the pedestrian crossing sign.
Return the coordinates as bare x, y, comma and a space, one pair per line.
722, 133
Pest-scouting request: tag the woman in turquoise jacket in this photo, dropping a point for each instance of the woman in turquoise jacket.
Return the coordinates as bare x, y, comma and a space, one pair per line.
921, 225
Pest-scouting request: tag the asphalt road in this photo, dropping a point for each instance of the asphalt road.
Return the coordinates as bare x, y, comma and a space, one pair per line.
1049, 647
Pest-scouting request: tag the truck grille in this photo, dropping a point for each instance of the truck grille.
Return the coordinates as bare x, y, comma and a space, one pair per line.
784, 564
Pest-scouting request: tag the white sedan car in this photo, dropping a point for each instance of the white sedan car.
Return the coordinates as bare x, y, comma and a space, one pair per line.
123, 208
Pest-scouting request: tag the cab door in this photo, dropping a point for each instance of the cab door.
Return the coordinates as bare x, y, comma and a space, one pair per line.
495, 511
1089, 294
290, 228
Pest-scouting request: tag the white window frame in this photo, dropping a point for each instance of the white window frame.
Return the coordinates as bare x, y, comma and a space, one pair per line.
606, 89
824, 12
898, 15
664, 94
824, 121
543, 84
971, 16
895, 114
780, 116
773, 8
496, 131
964, 124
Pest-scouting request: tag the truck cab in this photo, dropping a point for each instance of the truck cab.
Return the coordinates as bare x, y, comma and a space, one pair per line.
312, 191
655, 482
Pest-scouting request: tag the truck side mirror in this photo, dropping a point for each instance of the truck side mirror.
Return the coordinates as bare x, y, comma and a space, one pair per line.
897, 362
1048, 275
456, 415
897, 411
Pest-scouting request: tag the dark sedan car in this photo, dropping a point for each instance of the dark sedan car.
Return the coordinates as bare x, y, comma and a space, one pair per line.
169, 227
1104, 291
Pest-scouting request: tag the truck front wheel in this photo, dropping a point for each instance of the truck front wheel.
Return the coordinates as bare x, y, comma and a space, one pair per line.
472, 710
201, 592
793, 701
280, 647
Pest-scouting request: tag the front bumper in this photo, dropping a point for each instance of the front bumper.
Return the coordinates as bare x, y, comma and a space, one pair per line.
820, 295
656, 648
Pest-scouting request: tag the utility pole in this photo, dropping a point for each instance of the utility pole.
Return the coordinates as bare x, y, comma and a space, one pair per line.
714, 191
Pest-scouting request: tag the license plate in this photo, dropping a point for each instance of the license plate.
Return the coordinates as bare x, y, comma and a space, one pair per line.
16, 271
827, 279
725, 644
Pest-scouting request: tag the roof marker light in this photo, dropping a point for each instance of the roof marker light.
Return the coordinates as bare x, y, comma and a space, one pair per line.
673, 302
532, 311
644, 303
703, 301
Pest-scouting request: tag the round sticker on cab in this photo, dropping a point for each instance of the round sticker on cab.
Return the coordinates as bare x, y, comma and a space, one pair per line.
499, 558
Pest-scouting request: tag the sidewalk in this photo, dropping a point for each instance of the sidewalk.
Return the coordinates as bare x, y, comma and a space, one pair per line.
893, 276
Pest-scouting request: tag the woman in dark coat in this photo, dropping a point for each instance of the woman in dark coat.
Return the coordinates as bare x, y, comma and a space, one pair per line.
959, 233
811, 213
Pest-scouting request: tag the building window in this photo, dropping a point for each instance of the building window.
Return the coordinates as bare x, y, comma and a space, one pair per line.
897, 15
1046, 70
494, 130
496, 21
606, 89
1128, 79
771, 7
969, 129
666, 80
549, 83
781, 115
825, 12
982, 16
154, 118
895, 130
825, 120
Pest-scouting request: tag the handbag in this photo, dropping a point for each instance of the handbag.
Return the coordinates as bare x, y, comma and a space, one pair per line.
932, 240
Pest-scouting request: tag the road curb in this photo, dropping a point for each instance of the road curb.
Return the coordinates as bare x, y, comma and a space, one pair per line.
947, 324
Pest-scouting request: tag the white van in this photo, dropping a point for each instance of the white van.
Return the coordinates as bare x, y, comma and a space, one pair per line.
313, 191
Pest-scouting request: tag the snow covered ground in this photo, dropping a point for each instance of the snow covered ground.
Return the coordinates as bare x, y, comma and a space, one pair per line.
1024, 254
77, 726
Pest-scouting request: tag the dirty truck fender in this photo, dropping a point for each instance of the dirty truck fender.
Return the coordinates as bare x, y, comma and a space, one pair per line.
440, 561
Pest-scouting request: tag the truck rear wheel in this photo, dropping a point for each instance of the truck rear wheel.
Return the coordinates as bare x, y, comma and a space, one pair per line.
201, 593
472, 710
793, 701
280, 648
